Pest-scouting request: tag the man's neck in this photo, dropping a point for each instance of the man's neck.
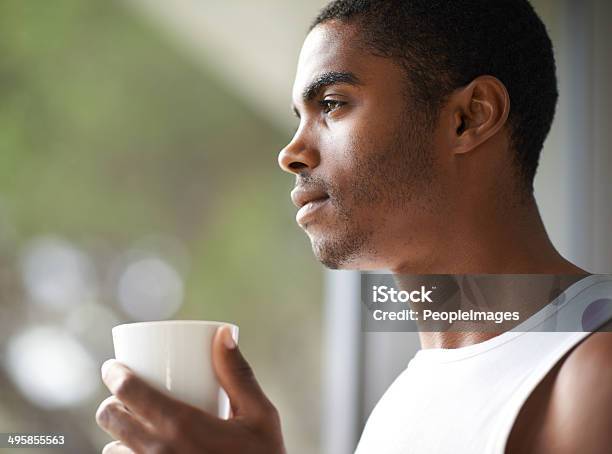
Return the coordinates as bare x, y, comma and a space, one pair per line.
484, 241
514, 242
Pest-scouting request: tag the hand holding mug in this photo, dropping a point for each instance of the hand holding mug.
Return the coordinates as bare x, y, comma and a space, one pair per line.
145, 419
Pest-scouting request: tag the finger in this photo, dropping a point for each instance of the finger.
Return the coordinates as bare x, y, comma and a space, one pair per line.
120, 423
154, 406
116, 447
236, 376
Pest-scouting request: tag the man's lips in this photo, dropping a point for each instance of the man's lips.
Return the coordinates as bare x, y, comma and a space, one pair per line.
308, 203
301, 197
309, 210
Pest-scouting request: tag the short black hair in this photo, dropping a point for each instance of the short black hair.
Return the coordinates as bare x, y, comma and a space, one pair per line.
445, 44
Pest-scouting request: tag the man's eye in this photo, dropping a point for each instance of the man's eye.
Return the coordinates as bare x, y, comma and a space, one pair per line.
329, 105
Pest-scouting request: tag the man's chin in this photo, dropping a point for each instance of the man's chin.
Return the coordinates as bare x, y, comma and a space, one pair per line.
333, 263
348, 265
342, 253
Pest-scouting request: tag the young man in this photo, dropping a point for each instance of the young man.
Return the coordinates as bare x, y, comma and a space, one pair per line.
420, 128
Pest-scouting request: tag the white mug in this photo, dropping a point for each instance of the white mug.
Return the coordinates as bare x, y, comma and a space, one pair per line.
176, 357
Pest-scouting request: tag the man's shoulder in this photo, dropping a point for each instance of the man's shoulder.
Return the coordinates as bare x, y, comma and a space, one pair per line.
591, 358
581, 398
571, 409
585, 376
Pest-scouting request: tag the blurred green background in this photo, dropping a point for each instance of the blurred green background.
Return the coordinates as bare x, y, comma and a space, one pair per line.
120, 158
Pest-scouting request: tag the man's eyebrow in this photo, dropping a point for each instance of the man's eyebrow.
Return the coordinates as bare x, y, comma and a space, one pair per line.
326, 79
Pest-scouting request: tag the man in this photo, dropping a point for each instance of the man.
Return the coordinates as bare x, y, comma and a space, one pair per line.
420, 128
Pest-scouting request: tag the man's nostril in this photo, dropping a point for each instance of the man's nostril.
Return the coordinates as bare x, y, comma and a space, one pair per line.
297, 165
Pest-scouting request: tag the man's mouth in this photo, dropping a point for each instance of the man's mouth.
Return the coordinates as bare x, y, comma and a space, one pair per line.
308, 202
308, 210
301, 196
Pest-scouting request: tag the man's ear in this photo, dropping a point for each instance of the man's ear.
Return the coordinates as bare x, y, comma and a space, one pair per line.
480, 110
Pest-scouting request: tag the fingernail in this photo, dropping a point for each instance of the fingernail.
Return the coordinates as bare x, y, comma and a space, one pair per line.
228, 339
106, 367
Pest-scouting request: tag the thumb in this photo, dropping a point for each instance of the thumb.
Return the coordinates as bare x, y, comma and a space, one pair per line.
236, 376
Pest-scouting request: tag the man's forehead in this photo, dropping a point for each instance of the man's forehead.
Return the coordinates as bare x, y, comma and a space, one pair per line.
327, 48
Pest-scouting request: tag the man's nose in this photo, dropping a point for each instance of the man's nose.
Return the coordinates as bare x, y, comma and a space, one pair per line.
298, 156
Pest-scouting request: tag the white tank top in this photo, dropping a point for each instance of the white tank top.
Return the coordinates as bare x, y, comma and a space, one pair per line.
466, 400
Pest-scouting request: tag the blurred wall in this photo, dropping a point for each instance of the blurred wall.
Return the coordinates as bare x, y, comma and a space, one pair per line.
574, 182
138, 183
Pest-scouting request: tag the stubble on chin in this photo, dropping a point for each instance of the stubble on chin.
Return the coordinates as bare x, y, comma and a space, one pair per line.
338, 253
343, 244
